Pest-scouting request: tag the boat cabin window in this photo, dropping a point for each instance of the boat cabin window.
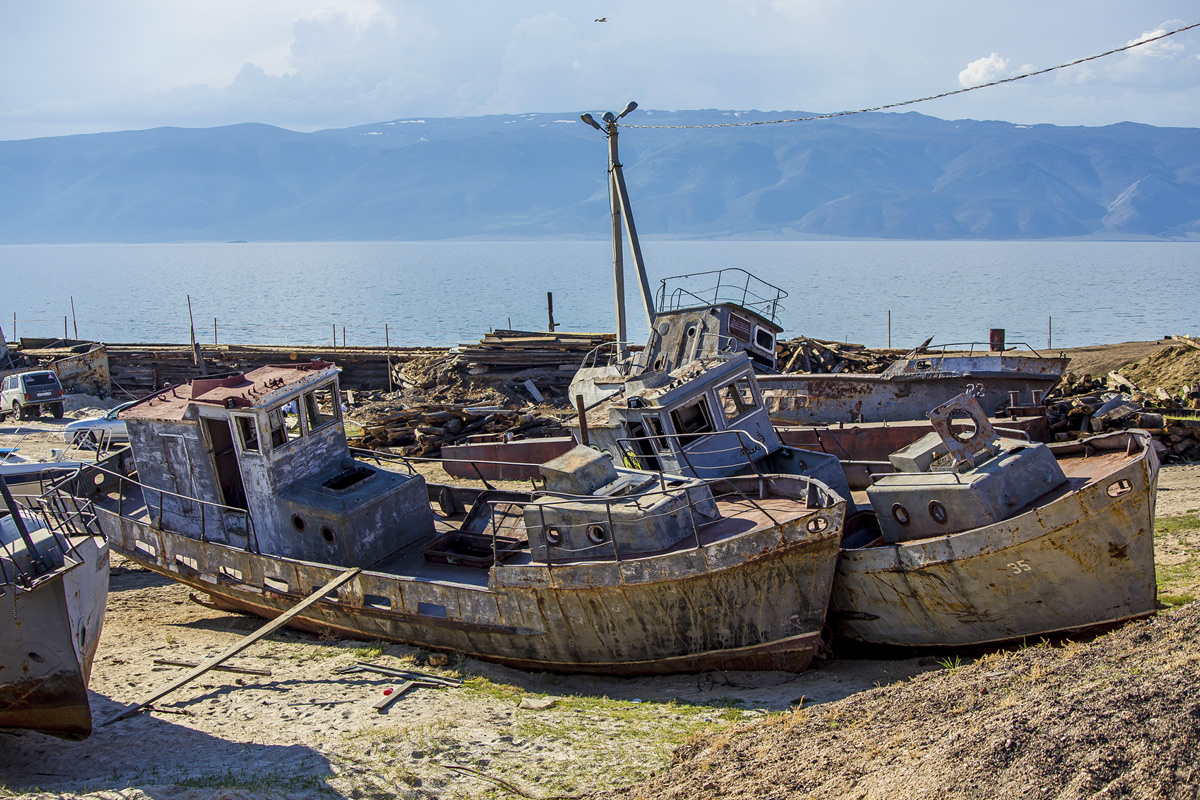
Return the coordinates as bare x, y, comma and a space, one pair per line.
320, 407
736, 398
764, 339
277, 422
654, 428
692, 419
247, 430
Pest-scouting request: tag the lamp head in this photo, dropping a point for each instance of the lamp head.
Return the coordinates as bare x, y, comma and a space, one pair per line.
630, 107
609, 117
590, 120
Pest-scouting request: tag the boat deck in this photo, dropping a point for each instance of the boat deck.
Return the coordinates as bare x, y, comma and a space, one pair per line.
738, 516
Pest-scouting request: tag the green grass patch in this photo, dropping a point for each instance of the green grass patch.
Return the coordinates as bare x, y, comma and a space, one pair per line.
1183, 522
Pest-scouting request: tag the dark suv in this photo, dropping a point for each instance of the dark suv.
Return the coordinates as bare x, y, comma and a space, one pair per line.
28, 394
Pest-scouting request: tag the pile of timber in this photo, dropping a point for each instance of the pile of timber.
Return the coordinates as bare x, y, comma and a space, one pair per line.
1082, 405
518, 350
137, 369
422, 430
803, 354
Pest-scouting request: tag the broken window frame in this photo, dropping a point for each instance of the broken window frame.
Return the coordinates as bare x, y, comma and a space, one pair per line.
278, 434
687, 434
310, 402
245, 423
744, 402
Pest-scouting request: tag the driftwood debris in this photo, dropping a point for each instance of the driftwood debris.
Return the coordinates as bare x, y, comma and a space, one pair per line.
423, 430
803, 354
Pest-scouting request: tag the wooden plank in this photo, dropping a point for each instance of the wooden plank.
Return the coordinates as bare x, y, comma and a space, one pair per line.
387, 700
170, 662
242, 644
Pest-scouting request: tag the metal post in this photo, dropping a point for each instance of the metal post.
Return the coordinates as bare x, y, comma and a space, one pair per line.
1049, 333
550, 311
214, 331
64, 326
74, 322
889, 329
634, 245
387, 349
335, 336
617, 245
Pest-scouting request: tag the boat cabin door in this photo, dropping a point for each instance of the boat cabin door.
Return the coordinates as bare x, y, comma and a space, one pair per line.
225, 463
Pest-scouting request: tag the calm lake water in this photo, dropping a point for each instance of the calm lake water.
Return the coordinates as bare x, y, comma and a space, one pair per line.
440, 293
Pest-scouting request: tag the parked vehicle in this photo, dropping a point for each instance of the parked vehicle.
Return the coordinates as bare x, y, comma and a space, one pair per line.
27, 395
93, 429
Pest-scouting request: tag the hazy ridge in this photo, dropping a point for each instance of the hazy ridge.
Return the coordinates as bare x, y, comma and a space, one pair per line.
899, 176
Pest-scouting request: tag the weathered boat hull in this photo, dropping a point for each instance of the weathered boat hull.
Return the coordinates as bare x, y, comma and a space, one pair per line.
1084, 560
826, 399
46, 660
756, 601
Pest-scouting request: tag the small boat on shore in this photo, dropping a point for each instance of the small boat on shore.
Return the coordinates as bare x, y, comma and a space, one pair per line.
605, 570
53, 592
980, 539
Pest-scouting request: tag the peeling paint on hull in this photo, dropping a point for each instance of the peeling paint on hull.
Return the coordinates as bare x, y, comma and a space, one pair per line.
1083, 560
751, 601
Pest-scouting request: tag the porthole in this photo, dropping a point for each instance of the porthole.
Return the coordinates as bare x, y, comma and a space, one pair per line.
327, 534
553, 535
938, 512
817, 524
1123, 486
900, 514
298, 523
35, 657
595, 534
691, 331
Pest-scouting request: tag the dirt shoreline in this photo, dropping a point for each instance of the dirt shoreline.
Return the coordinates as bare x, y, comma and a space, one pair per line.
1113, 717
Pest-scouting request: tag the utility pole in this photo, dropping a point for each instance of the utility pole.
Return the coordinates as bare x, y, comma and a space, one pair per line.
621, 209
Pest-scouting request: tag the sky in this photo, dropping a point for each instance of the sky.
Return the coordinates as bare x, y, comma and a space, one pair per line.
82, 66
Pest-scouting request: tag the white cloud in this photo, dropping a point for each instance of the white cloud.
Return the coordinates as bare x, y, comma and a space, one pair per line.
984, 70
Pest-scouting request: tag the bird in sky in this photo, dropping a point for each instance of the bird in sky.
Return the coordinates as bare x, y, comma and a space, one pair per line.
601, 19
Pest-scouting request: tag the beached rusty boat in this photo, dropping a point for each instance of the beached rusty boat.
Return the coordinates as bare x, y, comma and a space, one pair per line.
606, 570
979, 538
921, 380
53, 591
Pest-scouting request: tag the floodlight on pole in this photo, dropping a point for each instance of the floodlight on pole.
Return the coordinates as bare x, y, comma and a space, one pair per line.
590, 120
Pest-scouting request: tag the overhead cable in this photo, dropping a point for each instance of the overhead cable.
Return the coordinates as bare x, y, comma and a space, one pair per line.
1076, 62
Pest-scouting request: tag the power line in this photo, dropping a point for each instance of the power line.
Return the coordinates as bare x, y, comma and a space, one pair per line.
935, 96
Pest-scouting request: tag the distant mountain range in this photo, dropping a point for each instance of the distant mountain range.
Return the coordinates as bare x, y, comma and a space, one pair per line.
896, 176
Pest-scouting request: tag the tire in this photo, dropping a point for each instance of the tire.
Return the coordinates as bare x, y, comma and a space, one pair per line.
56, 410
18, 410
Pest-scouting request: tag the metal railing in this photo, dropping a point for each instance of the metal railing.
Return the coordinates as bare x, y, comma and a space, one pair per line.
729, 285
86, 476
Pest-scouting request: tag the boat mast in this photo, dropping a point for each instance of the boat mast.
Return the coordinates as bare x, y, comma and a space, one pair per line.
619, 205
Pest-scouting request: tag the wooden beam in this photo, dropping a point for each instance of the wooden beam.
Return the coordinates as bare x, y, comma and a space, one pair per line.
242, 644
